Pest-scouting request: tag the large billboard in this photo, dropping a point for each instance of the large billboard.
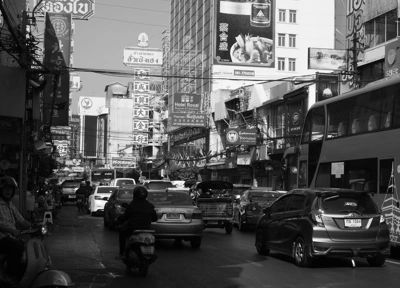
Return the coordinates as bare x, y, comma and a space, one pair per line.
91, 105
327, 59
245, 33
90, 136
79, 9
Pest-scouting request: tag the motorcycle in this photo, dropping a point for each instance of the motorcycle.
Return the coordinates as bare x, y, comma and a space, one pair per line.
80, 202
36, 263
139, 251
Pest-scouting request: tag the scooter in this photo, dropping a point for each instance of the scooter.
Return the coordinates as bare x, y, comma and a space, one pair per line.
36, 263
139, 251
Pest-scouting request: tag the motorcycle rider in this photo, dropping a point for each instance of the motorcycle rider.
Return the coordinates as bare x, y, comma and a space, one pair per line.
138, 216
81, 192
11, 222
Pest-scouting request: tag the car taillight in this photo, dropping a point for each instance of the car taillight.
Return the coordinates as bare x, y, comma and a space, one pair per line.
197, 214
316, 217
382, 220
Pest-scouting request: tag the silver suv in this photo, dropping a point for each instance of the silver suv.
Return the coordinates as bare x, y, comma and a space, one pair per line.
311, 223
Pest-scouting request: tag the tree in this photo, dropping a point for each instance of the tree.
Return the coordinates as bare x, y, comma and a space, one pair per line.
46, 166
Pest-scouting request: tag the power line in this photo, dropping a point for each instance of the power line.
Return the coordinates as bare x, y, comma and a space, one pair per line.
133, 8
124, 21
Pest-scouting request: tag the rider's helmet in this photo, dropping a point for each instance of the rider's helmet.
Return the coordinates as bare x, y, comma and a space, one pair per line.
140, 193
8, 181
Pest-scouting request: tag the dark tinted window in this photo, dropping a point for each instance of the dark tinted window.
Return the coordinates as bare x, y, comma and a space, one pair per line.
280, 205
125, 194
172, 198
107, 190
348, 202
296, 202
124, 182
158, 185
71, 184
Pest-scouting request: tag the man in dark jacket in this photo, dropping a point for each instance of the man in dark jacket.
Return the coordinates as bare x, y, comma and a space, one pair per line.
138, 216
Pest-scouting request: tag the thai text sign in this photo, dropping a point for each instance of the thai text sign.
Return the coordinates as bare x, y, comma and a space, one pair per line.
187, 135
189, 119
79, 9
236, 136
186, 102
123, 162
134, 56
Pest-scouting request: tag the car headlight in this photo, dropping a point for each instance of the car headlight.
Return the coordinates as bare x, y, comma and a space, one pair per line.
44, 230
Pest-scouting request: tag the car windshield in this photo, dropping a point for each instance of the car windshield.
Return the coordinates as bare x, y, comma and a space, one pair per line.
105, 190
172, 198
239, 190
263, 197
71, 184
159, 185
348, 202
125, 194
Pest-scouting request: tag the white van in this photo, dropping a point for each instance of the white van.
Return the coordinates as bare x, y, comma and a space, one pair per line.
122, 181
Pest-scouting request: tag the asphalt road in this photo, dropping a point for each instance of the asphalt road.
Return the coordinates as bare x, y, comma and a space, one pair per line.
82, 247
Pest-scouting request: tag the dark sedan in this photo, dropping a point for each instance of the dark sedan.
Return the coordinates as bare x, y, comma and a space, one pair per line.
113, 208
249, 206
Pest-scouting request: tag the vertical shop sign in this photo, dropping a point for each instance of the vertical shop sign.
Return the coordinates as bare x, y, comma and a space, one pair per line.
327, 85
245, 33
57, 45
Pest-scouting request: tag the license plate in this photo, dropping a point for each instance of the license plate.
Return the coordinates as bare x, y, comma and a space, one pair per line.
352, 223
79, 200
212, 222
147, 249
71, 196
173, 216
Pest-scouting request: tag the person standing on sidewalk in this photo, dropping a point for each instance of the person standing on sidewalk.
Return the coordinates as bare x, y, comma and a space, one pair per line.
11, 222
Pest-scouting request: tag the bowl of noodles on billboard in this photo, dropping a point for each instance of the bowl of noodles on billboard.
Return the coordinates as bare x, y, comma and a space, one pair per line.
249, 49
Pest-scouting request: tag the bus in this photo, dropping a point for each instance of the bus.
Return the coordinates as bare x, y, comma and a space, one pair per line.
353, 141
101, 175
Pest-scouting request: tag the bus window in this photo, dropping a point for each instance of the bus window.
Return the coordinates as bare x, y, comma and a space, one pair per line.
314, 126
338, 117
396, 116
366, 112
385, 172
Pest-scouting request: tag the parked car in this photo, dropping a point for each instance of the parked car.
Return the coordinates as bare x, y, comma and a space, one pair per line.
122, 181
248, 208
178, 217
311, 223
98, 199
68, 189
113, 207
238, 189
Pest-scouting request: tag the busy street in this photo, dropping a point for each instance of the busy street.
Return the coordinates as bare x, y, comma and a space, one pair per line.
82, 247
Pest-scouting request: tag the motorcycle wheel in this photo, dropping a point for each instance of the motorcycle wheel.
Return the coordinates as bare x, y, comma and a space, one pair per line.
144, 267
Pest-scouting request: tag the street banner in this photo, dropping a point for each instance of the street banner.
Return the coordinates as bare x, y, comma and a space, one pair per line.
79, 9
189, 119
295, 120
141, 99
236, 136
245, 33
134, 56
186, 102
123, 162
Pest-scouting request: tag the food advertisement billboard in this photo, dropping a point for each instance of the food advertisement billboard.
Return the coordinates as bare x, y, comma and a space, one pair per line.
245, 33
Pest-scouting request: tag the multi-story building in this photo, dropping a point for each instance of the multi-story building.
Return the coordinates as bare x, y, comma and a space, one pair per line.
253, 70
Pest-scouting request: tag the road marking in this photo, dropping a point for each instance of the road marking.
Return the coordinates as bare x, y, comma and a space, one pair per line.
397, 263
102, 265
254, 263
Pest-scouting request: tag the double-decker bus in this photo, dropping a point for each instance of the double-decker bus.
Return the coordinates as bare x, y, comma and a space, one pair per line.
101, 175
353, 141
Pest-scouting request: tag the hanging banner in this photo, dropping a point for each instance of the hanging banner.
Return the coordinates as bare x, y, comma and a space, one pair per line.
57, 53
327, 85
236, 136
295, 120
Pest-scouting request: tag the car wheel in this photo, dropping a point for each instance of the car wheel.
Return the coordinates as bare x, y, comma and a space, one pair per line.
301, 257
241, 225
195, 242
376, 261
144, 267
260, 243
228, 227
105, 220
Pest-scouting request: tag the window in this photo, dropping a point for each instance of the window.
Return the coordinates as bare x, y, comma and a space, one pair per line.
282, 15
381, 29
292, 64
296, 202
292, 40
281, 64
280, 205
281, 40
314, 126
292, 16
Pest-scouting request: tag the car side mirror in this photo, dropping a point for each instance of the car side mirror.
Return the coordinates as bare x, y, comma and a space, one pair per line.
124, 205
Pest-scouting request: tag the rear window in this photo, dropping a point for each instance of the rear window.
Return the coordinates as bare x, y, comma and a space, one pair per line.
104, 190
172, 198
125, 194
346, 203
71, 184
124, 182
159, 185
262, 197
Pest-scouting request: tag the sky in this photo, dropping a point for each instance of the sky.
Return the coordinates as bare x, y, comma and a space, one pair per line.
100, 41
